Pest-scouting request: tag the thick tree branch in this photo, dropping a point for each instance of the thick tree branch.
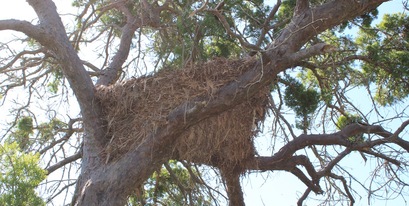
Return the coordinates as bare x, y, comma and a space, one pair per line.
289, 164
284, 159
22, 26
301, 6
112, 72
149, 16
316, 49
313, 21
399, 141
56, 41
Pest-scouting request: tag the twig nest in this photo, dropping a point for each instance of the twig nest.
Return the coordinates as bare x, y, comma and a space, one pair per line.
137, 107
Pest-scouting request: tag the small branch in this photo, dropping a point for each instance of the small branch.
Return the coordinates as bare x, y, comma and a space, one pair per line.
176, 179
344, 183
316, 49
304, 196
226, 26
297, 172
265, 27
67, 135
91, 66
335, 64
199, 9
399, 141
64, 162
382, 156
60, 191
18, 56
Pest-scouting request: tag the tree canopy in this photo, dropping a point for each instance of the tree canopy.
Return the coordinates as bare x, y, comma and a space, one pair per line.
158, 102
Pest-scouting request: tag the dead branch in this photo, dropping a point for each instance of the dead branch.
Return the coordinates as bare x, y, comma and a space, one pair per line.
265, 27
62, 163
227, 27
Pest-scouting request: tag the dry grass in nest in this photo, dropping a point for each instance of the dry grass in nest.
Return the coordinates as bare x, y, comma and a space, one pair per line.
137, 107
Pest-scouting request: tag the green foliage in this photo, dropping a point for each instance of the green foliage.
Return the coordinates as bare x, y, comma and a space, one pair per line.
25, 128
171, 188
332, 72
304, 101
48, 130
23, 131
25, 125
365, 20
196, 38
20, 174
56, 78
387, 47
345, 120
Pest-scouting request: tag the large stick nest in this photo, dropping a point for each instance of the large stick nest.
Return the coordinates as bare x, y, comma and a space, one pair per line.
137, 107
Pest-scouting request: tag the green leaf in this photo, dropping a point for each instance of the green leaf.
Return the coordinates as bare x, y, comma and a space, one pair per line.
20, 174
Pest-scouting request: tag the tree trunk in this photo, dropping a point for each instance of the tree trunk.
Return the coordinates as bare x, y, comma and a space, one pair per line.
234, 190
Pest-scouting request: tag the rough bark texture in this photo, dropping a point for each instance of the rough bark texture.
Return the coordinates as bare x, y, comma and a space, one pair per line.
234, 191
109, 184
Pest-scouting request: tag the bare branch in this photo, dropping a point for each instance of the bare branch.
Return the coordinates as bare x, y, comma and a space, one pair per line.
303, 197
335, 64
346, 188
314, 187
67, 135
227, 27
64, 162
316, 49
111, 74
265, 27
22, 26
382, 156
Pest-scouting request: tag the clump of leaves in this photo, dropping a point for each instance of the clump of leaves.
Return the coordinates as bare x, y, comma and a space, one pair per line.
387, 46
49, 129
20, 174
23, 131
304, 101
56, 79
345, 120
